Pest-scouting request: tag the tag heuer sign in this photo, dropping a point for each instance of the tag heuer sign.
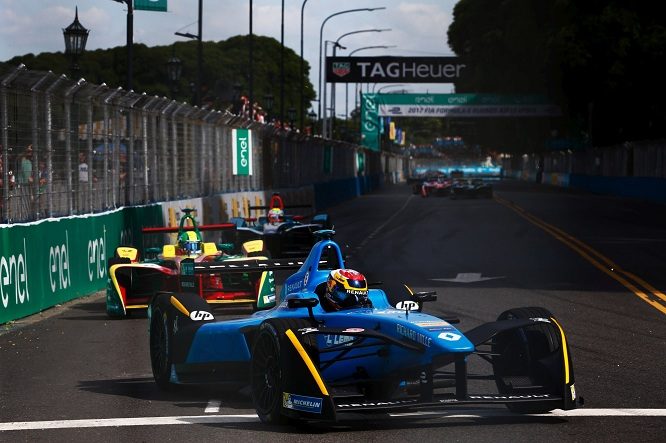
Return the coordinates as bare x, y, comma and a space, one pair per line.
393, 69
341, 68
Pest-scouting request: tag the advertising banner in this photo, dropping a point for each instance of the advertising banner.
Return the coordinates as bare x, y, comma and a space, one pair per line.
50, 262
393, 69
242, 151
464, 105
369, 122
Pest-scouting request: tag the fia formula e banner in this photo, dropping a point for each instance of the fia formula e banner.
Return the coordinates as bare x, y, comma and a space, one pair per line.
393, 69
242, 151
464, 105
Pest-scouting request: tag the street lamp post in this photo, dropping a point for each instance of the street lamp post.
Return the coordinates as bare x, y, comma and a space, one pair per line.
336, 45
130, 40
291, 115
321, 35
334, 86
302, 103
198, 37
313, 119
76, 37
379, 91
364, 48
174, 68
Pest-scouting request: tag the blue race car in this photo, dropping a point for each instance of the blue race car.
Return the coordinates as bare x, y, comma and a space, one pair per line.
310, 359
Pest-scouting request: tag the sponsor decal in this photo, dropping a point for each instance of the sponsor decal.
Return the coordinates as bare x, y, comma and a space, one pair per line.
269, 299
59, 275
186, 268
407, 305
306, 278
341, 68
508, 397
432, 324
410, 70
354, 330
201, 315
338, 340
14, 271
302, 403
97, 257
293, 287
449, 336
413, 335
377, 404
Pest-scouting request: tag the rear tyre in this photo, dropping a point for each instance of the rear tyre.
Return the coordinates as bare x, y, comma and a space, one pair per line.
161, 341
270, 363
530, 359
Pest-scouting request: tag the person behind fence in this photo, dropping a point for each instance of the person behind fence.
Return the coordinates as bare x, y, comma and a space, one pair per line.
24, 182
25, 176
83, 179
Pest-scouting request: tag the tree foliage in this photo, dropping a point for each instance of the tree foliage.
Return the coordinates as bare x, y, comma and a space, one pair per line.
225, 70
597, 59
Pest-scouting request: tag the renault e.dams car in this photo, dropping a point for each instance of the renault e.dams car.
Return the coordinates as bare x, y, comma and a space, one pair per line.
304, 362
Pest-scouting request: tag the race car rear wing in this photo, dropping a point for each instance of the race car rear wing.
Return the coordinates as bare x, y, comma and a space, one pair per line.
173, 229
212, 267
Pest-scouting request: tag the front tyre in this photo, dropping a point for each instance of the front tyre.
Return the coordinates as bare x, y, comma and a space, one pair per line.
271, 358
161, 338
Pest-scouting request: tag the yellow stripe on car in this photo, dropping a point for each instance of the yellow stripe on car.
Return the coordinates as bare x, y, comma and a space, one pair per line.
178, 305
308, 362
564, 351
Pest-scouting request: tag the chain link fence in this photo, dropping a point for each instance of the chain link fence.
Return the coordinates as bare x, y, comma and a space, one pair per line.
72, 147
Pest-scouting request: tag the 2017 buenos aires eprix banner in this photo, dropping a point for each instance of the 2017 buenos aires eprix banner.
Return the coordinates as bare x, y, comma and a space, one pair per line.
374, 106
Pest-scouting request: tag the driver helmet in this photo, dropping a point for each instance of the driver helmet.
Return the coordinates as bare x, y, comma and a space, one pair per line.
346, 288
189, 243
275, 215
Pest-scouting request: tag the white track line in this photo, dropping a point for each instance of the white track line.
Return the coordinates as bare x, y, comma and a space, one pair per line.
243, 418
213, 407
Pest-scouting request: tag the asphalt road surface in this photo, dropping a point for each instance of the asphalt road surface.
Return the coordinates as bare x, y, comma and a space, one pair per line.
596, 262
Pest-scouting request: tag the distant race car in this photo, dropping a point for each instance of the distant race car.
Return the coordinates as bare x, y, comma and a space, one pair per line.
284, 235
305, 361
439, 186
134, 282
471, 188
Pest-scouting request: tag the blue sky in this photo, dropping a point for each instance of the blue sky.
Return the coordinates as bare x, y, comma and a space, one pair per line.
418, 27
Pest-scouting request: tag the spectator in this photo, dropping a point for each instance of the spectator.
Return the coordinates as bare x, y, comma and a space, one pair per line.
25, 176
24, 182
83, 168
42, 176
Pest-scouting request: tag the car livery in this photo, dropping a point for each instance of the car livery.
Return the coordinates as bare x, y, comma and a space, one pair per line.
306, 363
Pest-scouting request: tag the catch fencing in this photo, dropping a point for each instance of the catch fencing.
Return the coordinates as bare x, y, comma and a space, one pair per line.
72, 147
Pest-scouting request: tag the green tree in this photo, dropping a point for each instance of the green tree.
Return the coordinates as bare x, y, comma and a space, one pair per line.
225, 65
596, 59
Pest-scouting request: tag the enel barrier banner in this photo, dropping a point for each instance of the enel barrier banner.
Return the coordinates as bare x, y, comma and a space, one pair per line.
53, 261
